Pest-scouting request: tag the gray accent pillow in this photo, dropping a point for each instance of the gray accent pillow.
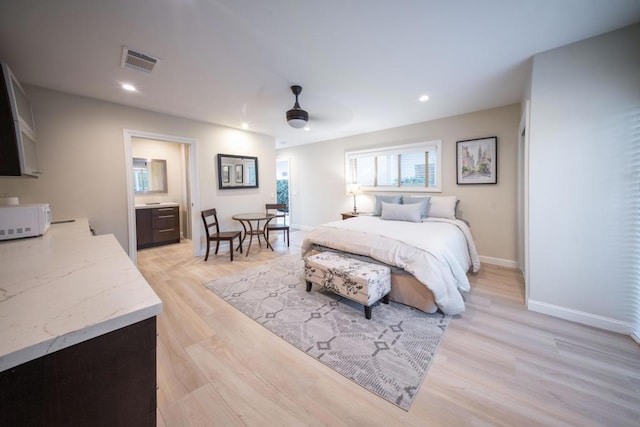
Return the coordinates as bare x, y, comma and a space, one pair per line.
424, 203
387, 199
395, 212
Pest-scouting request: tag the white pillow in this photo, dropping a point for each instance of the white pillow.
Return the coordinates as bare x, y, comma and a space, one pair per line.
443, 207
424, 203
395, 212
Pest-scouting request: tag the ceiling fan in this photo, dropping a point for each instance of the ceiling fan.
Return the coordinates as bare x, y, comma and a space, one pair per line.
296, 117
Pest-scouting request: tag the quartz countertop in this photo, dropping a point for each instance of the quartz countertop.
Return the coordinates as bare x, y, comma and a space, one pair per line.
64, 288
157, 205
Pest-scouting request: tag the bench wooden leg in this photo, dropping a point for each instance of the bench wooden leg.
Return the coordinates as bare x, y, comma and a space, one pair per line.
308, 286
385, 299
367, 312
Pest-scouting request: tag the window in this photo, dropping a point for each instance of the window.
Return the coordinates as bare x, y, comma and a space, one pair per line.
398, 168
140, 176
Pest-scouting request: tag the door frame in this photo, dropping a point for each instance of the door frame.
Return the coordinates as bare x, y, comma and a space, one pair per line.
195, 200
523, 197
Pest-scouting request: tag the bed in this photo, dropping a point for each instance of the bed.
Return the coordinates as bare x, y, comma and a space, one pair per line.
429, 258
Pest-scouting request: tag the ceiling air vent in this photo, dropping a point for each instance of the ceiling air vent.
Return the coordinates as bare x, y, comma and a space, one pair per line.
137, 61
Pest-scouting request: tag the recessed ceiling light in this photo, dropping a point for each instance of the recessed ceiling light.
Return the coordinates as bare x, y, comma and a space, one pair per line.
245, 125
307, 128
424, 98
128, 87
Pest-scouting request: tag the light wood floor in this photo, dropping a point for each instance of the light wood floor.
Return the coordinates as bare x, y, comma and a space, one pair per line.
498, 363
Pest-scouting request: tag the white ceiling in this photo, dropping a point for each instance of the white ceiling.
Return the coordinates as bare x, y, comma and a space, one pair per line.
362, 63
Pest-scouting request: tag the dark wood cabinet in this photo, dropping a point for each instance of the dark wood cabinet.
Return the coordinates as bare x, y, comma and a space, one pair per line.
143, 228
9, 156
109, 380
157, 226
18, 148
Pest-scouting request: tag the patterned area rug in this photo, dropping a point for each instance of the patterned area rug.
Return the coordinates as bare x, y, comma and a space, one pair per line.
388, 355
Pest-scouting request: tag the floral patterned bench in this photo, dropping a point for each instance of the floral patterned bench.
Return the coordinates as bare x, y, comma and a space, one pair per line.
359, 281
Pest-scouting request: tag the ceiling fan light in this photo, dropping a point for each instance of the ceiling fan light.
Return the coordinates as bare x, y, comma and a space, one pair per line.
297, 118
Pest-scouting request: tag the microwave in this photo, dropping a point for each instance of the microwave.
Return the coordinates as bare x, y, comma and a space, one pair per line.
29, 220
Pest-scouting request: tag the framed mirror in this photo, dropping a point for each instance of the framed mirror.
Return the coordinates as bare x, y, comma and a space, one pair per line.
149, 176
237, 172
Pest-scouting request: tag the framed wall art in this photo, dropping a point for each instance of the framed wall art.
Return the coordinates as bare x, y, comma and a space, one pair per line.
477, 161
235, 172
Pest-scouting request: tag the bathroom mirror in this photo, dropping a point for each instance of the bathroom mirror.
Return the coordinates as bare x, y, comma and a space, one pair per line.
237, 172
149, 176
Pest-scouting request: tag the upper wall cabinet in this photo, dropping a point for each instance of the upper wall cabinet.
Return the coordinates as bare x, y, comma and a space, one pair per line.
18, 149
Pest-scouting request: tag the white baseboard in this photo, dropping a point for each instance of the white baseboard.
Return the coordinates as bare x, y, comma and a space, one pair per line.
499, 261
581, 317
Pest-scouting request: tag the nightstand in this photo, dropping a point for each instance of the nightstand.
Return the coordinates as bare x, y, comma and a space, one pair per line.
347, 215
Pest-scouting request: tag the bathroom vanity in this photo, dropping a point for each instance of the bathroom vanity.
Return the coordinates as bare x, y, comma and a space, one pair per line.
157, 224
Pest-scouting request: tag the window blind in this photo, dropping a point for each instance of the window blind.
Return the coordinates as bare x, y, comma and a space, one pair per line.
410, 166
412, 169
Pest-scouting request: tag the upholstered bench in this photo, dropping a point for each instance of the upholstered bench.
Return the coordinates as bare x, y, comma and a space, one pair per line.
359, 281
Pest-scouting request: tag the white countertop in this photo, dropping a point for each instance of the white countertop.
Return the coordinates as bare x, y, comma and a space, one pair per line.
64, 288
157, 205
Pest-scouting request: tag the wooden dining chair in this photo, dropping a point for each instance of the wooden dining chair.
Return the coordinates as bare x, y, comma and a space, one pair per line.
210, 219
279, 210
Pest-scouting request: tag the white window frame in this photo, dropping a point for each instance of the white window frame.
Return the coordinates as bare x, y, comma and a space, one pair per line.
435, 145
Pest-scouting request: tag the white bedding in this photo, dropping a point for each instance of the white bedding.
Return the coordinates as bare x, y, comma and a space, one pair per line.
438, 252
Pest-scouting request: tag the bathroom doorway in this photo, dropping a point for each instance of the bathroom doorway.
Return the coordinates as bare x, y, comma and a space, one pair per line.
181, 175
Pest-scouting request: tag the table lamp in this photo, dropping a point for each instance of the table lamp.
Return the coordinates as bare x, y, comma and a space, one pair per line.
353, 190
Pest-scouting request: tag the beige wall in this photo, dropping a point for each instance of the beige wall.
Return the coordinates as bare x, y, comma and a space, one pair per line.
162, 150
318, 184
81, 150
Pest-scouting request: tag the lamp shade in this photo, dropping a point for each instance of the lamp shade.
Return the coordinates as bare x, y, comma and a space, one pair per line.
354, 189
297, 118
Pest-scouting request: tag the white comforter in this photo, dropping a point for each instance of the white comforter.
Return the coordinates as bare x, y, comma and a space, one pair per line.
438, 252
